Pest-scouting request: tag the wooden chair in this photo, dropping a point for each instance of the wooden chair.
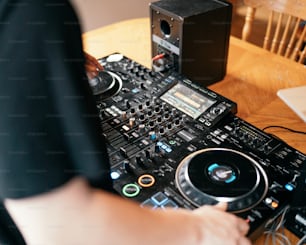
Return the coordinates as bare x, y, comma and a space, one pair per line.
287, 35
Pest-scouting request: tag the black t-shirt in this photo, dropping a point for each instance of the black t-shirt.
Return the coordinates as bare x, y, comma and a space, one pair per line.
49, 128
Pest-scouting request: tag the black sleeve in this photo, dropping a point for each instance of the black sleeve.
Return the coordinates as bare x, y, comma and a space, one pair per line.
49, 129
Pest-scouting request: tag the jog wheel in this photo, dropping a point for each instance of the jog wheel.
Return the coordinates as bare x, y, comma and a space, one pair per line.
105, 85
215, 175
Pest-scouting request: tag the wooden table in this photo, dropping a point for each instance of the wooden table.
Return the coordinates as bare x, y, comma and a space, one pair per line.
253, 77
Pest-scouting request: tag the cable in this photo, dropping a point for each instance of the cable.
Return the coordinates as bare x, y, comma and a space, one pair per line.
282, 127
273, 234
158, 56
302, 240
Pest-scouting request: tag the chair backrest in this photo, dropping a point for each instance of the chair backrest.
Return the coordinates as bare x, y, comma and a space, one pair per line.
286, 35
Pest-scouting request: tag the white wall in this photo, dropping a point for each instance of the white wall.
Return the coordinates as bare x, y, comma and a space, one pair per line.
96, 13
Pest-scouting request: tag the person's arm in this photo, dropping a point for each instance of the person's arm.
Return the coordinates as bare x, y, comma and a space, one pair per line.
78, 214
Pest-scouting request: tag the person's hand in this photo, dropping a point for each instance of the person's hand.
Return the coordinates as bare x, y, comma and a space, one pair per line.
92, 66
222, 228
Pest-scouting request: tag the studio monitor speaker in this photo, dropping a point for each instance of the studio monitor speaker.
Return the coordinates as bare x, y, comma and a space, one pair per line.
191, 37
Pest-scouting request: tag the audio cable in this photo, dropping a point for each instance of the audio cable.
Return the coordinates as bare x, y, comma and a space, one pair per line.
274, 234
285, 128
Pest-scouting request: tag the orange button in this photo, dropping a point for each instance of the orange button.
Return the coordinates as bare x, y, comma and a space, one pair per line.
146, 180
274, 204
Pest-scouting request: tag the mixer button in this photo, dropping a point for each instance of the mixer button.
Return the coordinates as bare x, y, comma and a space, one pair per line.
135, 135
159, 198
207, 123
145, 142
146, 180
250, 219
149, 203
170, 204
130, 190
125, 128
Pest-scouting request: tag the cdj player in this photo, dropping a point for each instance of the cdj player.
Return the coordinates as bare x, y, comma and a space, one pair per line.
172, 143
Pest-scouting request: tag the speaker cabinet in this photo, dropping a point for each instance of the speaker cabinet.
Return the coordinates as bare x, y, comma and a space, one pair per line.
191, 37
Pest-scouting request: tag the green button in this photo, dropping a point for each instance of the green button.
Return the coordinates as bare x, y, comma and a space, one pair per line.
130, 190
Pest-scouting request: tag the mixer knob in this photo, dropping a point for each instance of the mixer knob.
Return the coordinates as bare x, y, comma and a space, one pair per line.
177, 122
157, 109
152, 135
141, 128
132, 122
143, 86
130, 67
162, 131
127, 104
152, 73
159, 119
144, 77
140, 107
139, 73
148, 103
149, 113
125, 78
266, 148
169, 126
256, 142
247, 137
166, 116
151, 124
133, 111
174, 111
135, 70
123, 115
142, 117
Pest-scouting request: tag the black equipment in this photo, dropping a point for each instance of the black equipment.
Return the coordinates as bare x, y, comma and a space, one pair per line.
191, 38
172, 143
296, 217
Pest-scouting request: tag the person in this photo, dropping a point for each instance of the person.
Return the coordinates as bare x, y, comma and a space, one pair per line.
55, 184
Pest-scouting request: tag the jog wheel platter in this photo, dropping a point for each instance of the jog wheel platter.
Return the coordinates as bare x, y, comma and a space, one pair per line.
217, 175
105, 85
